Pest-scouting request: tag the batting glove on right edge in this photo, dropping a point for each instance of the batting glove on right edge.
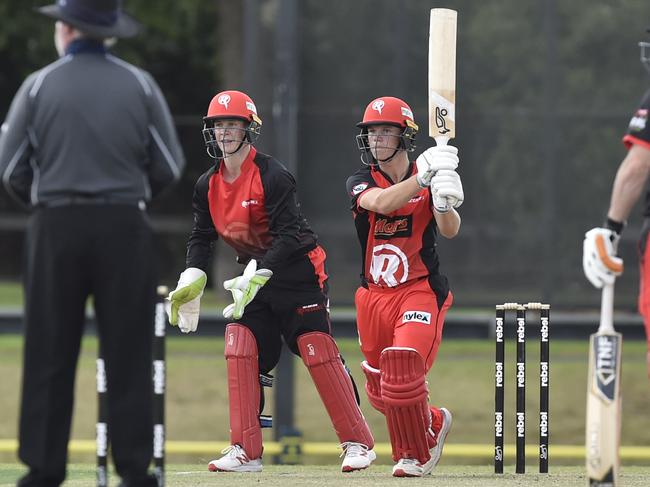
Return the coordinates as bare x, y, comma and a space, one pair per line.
599, 260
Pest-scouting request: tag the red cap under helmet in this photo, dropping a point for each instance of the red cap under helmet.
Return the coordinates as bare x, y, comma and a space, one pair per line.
388, 110
232, 104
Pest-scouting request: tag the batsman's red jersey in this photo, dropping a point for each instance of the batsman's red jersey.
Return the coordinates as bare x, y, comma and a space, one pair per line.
403, 297
638, 133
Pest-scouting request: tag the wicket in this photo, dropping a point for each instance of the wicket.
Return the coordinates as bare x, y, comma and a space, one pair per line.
499, 375
159, 379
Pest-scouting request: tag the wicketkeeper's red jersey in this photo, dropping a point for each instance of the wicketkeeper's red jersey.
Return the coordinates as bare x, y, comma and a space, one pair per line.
258, 215
399, 247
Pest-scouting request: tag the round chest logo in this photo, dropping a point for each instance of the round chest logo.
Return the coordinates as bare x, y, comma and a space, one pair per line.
389, 264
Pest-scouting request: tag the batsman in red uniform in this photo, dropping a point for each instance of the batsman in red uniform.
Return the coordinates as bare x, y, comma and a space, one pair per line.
399, 207
249, 200
600, 259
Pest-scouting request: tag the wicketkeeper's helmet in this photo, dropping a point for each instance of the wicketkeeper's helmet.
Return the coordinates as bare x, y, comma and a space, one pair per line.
230, 104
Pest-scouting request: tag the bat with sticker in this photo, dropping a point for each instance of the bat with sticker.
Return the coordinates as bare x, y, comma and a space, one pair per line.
603, 428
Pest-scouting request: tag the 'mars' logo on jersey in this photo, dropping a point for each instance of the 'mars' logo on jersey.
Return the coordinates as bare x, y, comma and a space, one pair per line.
387, 227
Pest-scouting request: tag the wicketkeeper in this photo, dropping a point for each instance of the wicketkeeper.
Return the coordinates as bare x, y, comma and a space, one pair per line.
249, 200
399, 207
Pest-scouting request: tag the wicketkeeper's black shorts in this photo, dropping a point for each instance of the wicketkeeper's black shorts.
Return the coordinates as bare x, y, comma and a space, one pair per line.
293, 302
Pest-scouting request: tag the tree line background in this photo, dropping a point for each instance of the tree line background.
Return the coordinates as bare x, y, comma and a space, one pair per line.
545, 91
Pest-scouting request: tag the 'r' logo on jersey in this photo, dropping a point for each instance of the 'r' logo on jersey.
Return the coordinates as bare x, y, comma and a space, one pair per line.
389, 264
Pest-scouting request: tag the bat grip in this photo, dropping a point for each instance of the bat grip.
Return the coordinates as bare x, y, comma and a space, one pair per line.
607, 309
441, 140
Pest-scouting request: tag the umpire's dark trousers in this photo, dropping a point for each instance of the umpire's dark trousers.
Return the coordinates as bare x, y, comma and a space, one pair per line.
73, 252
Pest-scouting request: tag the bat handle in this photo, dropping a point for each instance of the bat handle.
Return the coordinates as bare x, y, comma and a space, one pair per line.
607, 309
441, 140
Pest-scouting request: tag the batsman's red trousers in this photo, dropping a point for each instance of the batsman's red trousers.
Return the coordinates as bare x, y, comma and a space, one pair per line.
644, 277
409, 316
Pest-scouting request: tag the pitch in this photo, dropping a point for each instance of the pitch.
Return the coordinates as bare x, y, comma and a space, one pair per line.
377, 476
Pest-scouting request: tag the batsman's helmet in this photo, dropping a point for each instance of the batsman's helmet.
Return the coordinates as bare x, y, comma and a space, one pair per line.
387, 110
230, 104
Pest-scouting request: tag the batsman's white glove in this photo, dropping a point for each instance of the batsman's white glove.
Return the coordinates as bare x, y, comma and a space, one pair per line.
599, 259
244, 288
433, 160
446, 190
184, 302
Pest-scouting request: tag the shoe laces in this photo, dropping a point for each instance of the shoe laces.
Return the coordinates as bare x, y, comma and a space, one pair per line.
352, 449
410, 461
234, 451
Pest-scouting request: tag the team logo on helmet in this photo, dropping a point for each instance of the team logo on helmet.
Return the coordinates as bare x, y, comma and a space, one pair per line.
378, 106
224, 100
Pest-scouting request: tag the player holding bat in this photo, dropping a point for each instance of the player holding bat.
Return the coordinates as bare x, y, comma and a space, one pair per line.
399, 208
602, 266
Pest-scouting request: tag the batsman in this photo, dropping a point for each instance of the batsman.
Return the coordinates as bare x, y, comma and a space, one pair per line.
249, 200
399, 207
600, 260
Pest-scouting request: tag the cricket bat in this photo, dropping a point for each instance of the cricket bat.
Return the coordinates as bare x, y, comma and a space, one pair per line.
442, 78
442, 75
604, 398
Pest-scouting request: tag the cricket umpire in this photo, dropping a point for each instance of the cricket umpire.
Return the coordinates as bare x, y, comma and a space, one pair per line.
87, 142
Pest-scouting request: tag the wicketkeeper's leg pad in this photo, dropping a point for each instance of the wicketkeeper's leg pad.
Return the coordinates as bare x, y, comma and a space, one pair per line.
373, 386
243, 389
321, 356
404, 392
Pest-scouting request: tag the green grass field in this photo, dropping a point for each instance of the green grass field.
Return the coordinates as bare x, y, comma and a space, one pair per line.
461, 380
376, 476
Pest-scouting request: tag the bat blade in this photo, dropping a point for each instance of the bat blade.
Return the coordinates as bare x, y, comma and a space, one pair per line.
604, 404
442, 74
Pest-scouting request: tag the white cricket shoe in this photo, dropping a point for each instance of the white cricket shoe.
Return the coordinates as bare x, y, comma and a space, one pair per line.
357, 456
436, 451
235, 460
408, 467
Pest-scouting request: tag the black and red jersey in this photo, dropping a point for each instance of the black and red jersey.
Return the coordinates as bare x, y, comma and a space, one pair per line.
258, 214
638, 132
399, 247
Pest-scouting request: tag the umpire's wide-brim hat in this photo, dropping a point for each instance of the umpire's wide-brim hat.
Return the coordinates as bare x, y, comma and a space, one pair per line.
96, 18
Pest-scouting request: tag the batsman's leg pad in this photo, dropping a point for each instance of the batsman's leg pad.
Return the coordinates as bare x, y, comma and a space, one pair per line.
243, 389
404, 392
321, 356
373, 386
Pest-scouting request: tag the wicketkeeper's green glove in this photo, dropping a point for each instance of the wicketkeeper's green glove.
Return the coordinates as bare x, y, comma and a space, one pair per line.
244, 288
184, 302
